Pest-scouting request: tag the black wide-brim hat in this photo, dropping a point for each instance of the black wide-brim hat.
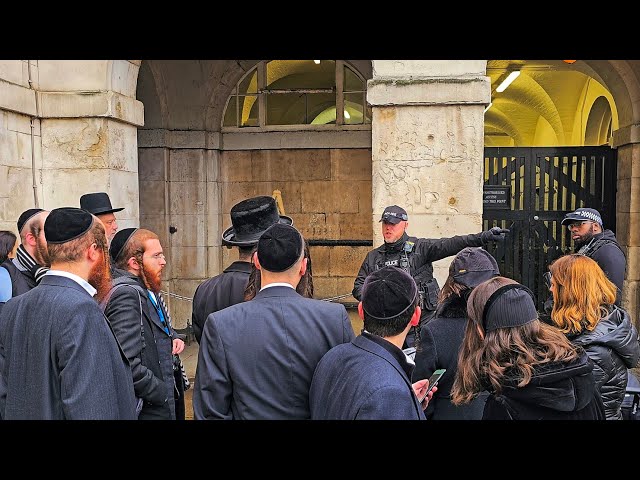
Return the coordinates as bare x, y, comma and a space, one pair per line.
97, 203
250, 218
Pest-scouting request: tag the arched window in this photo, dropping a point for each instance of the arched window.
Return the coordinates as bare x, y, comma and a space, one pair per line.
298, 92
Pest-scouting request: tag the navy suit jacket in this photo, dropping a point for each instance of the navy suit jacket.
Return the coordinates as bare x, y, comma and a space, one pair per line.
256, 358
59, 358
362, 380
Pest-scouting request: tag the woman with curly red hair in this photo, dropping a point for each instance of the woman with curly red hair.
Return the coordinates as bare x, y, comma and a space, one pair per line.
584, 309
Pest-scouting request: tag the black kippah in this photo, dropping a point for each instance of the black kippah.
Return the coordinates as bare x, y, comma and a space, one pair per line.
388, 292
66, 223
279, 247
26, 215
119, 241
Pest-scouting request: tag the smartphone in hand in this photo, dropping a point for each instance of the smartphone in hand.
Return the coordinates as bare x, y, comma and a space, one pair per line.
433, 381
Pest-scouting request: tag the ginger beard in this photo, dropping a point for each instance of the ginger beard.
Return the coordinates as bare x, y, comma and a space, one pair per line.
152, 277
41, 255
100, 276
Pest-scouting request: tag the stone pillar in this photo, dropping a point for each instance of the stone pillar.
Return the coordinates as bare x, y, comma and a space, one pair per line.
627, 141
76, 122
427, 145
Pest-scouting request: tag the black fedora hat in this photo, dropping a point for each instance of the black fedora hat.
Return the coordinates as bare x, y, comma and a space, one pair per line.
250, 218
97, 203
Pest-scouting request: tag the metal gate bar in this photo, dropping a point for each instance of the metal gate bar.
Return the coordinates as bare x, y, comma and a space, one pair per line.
546, 183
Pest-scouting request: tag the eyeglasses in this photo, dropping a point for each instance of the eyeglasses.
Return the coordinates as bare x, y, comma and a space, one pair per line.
578, 224
158, 256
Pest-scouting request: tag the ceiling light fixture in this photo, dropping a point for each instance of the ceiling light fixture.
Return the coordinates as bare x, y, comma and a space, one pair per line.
507, 81
488, 107
317, 62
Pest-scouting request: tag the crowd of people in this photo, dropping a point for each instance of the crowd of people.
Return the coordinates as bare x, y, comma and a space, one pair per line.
85, 332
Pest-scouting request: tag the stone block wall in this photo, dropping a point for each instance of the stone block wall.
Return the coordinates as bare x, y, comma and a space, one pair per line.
16, 194
627, 223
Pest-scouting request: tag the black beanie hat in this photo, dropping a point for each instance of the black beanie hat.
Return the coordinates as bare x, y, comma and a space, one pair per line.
279, 247
472, 266
388, 292
119, 241
509, 306
26, 215
67, 223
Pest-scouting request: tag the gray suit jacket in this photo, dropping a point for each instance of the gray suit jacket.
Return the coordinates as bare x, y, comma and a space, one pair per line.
257, 358
59, 358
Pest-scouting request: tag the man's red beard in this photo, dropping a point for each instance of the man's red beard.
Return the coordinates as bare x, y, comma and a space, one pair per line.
42, 254
153, 281
100, 278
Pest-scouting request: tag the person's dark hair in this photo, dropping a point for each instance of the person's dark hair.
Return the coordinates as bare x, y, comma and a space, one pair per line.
487, 358
304, 287
246, 251
389, 327
451, 287
8, 241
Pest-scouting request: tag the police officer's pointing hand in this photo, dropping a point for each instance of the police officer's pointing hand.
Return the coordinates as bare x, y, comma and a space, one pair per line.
495, 234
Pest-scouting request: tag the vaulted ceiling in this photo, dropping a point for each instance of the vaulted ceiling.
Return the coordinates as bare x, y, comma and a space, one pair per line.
551, 103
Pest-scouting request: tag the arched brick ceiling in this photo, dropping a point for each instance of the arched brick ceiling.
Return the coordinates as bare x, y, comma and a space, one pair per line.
551, 90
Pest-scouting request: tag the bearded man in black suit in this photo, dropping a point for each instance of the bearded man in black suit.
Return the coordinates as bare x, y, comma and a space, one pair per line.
59, 358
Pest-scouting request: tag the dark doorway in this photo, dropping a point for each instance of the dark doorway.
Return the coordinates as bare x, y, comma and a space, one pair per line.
538, 187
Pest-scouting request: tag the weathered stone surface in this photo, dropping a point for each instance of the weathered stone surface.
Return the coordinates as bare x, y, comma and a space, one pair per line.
151, 164
351, 164
89, 143
188, 262
345, 286
15, 71
236, 167
86, 75
346, 261
152, 196
187, 197
91, 104
633, 263
628, 195
191, 230
325, 287
355, 227
17, 98
187, 166
320, 261
428, 68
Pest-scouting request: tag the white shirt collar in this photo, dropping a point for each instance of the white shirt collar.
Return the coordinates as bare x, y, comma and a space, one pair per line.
79, 280
278, 284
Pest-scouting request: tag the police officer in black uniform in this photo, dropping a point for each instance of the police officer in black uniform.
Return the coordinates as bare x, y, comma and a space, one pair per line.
415, 255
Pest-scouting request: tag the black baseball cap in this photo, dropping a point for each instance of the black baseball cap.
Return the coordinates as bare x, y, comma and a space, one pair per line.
394, 214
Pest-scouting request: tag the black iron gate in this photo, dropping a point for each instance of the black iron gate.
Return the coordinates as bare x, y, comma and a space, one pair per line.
539, 186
